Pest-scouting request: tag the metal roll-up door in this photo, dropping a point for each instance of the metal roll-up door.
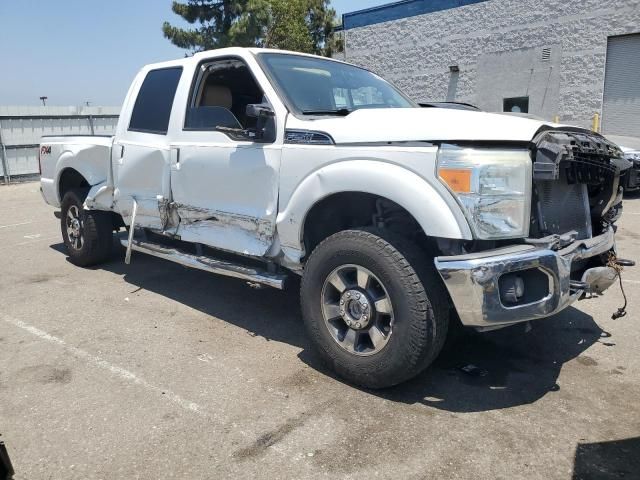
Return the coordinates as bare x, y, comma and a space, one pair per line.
621, 106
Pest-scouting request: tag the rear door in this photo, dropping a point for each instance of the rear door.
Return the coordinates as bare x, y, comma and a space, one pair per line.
141, 156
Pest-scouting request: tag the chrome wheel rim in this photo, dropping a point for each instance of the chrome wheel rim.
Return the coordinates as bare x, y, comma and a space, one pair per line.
357, 310
75, 227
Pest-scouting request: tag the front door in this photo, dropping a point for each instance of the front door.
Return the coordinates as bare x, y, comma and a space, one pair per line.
224, 188
226, 194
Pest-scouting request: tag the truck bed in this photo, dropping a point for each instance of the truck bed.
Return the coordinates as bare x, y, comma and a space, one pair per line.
89, 155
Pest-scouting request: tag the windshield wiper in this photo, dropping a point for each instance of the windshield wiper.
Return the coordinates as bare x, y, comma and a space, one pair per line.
341, 112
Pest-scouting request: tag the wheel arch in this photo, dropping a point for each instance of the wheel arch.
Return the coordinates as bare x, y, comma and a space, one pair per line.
79, 166
68, 179
390, 182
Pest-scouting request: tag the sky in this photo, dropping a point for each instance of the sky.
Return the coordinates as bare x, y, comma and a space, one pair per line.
77, 51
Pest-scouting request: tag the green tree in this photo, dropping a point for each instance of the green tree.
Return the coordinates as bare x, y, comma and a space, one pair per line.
215, 19
300, 25
287, 29
321, 20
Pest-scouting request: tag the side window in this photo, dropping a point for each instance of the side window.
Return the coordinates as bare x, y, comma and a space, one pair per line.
152, 109
221, 91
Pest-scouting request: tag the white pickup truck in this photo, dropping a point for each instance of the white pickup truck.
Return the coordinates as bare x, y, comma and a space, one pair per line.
259, 164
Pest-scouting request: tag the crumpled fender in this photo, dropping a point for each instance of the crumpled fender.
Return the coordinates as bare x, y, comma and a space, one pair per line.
100, 197
82, 158
400, 185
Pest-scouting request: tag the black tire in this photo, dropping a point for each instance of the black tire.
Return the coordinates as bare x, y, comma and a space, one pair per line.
417, 295
95, 228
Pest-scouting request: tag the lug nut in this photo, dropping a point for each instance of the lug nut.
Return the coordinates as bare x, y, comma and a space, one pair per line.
364, 317
341, 302
357, 324
358, 296
348, 295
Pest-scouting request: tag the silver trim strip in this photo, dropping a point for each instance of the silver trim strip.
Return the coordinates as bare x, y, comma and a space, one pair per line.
208, 264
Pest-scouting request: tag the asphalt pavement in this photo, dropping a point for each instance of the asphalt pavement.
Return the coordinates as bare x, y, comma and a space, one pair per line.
154, 371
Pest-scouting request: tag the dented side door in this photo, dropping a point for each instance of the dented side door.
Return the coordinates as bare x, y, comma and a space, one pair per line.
225, 192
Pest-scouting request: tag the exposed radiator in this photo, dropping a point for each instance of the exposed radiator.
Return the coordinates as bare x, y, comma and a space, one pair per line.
563, 207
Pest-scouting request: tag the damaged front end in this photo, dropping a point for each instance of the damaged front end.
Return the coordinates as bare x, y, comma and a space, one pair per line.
570, 250
576, 184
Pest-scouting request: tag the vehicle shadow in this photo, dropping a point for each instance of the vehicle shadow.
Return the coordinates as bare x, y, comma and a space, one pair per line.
632, 195
607, 460
505, 368
268, 313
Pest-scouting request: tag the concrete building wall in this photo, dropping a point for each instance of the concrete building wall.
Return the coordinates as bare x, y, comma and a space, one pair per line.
498, 46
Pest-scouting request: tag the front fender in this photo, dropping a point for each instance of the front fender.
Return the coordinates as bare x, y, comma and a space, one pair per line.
393, 182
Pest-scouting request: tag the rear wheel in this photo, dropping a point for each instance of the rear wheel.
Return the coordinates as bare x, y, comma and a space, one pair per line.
87, 234
374, 306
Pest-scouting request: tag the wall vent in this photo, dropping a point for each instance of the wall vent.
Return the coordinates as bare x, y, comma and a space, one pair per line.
546, 54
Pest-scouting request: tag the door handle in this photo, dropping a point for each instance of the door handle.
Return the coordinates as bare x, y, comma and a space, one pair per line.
120, 159
175, 158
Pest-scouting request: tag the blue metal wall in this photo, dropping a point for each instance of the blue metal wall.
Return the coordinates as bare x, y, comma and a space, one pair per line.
397, 10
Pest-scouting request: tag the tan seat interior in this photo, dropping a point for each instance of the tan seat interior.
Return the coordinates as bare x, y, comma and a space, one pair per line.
217, 96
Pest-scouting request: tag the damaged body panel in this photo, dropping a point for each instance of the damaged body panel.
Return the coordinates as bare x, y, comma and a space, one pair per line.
227, 231
62, 156
571, 238
225, 192
580, 171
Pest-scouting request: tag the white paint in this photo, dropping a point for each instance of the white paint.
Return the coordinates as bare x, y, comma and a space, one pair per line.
32, 241
15, 225
101, 363
420, 124
34, 235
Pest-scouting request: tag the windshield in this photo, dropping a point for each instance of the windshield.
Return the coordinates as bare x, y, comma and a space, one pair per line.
313, 86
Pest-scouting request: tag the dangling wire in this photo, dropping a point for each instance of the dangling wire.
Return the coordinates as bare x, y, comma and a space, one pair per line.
622, 311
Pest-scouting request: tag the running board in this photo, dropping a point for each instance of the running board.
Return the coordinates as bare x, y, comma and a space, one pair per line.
208, 264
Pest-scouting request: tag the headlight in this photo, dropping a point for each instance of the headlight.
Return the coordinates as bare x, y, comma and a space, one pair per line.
492, 186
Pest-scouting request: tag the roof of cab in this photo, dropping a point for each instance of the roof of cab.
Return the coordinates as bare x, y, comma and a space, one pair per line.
227, 51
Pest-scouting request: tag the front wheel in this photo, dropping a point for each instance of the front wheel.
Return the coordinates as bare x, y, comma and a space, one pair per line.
87, 234
374, 306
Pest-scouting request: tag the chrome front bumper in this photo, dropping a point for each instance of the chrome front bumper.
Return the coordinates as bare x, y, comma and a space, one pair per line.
473, 280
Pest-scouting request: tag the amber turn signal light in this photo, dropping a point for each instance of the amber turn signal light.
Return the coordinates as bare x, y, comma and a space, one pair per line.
458, 179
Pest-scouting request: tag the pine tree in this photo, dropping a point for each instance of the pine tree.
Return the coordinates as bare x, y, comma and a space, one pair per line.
216, 19
321, 20
300, 25
287, 27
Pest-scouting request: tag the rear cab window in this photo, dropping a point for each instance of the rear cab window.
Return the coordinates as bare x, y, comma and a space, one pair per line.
152, 109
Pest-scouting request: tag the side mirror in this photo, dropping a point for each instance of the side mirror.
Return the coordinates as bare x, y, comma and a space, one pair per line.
266, 121
259, 110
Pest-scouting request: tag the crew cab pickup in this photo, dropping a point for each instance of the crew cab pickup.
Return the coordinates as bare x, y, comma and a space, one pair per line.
261, 164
